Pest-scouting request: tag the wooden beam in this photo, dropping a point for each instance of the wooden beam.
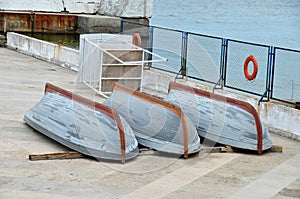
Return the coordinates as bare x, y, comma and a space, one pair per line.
226, 149
57, 156
276, 148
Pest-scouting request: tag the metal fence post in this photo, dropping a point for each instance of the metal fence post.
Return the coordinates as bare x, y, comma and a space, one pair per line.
150, 44
184, 44
222, 59
150, 48
223, 64
121, 26
270, 64
269, 71
272, 70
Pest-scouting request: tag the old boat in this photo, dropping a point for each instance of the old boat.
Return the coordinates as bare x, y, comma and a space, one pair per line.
221, 119
156, 123
82, 125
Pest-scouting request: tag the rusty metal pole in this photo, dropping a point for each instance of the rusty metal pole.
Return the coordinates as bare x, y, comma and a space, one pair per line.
32, 22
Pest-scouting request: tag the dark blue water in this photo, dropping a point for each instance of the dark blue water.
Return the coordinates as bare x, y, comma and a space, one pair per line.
271, 22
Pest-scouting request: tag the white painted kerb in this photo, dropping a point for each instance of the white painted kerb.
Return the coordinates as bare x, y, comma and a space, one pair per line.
61, 55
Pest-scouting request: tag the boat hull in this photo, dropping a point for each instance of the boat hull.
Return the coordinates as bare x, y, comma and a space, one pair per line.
89, 128
156, 124
221, 119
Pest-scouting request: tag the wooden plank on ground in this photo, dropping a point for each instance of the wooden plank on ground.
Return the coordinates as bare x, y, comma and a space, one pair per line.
227, 149
75, 154
57, 156
276, 148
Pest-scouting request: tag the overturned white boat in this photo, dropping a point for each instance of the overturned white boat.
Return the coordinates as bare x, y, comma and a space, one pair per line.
221, 119
156, 124
82, 125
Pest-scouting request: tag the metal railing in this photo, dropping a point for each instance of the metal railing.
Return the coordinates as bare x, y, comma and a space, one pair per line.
220, 61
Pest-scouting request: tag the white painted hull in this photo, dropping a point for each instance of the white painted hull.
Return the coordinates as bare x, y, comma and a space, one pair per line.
219, 120
154, 123
80, 127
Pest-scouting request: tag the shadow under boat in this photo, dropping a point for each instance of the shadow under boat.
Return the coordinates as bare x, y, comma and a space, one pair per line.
221, 119
157, 124
83, 125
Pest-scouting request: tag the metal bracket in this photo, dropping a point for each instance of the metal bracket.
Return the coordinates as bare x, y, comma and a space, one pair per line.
264, 97
121, 26
220, 83
181, 74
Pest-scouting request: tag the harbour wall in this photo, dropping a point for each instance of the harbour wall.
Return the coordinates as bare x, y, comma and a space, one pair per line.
70, 16
117, 8
55, 23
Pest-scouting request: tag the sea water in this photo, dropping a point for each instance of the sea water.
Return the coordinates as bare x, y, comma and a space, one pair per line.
268, 22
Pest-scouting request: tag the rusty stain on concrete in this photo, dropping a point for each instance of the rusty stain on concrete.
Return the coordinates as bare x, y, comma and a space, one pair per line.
38, 22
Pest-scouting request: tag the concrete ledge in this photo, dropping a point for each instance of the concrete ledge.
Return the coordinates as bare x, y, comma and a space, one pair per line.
61, 55
97, 23
119, 8
33, 5
103, 24
126, 8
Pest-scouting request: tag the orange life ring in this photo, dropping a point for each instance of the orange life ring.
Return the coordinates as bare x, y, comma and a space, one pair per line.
136, 36
255, 69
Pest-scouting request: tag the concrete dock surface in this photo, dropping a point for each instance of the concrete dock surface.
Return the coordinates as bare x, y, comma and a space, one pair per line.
150, 175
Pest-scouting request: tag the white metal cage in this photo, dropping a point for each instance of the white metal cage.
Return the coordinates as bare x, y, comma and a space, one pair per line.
109, 58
